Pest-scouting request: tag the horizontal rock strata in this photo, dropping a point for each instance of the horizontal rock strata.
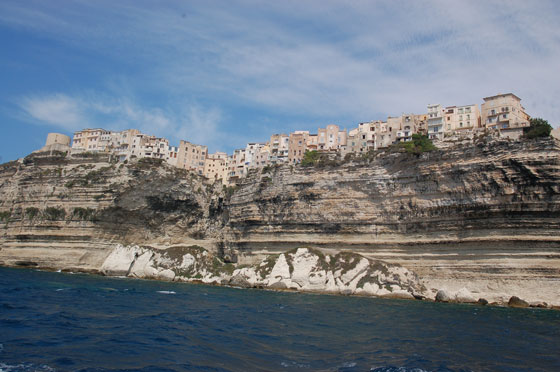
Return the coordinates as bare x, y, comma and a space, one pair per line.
478, 220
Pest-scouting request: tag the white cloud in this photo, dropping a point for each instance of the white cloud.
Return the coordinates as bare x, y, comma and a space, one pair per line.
321, 61
58, 109
193, 123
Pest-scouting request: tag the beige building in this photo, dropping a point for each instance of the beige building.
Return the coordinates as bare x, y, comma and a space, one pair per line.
297, 146
236, 166
330, 138
90, 139
279, 146
407, 125
172, 154
261, 158
503, 112
421, 124
215, 167
251, 149
461, 118
56, 142
356, 142
191, 157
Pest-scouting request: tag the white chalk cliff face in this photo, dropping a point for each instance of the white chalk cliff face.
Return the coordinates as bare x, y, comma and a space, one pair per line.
302, 269
476, 220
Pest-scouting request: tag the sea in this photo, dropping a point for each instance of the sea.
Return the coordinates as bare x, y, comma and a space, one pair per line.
76, 322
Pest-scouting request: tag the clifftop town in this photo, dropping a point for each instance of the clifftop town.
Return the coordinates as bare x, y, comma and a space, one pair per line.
500, 115
475, 219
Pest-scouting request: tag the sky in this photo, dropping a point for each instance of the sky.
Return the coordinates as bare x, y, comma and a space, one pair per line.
224, 73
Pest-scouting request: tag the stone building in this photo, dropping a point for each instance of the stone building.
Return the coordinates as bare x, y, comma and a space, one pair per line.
503, 112
461, 118
297, 146
90, 139
215, 167
191, 156
56, 142
279, 147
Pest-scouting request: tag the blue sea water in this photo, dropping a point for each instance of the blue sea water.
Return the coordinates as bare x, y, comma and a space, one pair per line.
64, 322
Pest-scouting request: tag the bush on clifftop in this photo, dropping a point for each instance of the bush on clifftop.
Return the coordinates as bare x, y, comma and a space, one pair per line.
538, 128
418, 145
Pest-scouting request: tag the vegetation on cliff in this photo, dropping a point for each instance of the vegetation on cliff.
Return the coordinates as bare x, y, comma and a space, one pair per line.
538, 128
418, 145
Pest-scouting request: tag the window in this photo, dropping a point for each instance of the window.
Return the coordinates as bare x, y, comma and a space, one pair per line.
504, 116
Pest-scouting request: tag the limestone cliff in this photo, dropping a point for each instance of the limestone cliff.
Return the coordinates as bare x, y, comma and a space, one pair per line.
484, 216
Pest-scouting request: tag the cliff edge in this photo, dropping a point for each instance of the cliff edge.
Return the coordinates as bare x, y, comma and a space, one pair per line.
478, 217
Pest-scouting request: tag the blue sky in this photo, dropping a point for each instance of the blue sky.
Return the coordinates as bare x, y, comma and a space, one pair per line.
224, 73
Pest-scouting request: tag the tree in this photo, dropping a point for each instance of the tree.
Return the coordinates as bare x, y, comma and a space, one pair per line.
538, 128
419, 144
310, 158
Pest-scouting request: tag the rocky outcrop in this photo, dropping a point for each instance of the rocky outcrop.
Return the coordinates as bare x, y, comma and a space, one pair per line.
302, 269
478, 220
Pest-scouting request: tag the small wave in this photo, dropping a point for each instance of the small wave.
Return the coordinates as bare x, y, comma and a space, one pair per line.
396, 369
167, 292
61, 289
25, 367
294, 365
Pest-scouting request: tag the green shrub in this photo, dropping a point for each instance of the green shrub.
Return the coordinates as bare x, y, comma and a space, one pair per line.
31, 212
5, 216
538, 128
310, 158
54, 213
86, 214
418, 145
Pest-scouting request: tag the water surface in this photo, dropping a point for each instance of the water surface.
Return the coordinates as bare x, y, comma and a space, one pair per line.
64, 322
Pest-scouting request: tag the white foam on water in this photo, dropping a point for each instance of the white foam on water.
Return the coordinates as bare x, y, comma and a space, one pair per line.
396, 369
58, 271
167, 292
294, 365
25, 367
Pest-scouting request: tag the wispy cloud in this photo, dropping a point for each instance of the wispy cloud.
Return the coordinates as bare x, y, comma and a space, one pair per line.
319, 61
193, 122
58, 110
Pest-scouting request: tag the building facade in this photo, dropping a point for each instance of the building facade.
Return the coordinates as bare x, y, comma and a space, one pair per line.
435, 122
503, 112
191, 156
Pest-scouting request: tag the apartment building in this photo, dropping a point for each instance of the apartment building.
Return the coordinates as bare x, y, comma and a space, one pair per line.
279, 147
236, 166
172, 153
503, 112
356, 142
407, 126
251, 149
191, 156
330, 138
297, 146
421, 121
461, 118
435, 122
90, 139
216, 167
